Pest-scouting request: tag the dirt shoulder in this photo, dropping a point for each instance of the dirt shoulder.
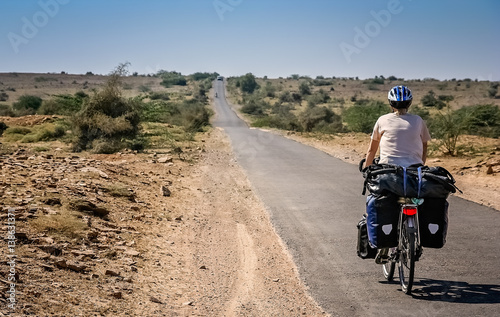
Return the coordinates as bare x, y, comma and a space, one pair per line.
143, 235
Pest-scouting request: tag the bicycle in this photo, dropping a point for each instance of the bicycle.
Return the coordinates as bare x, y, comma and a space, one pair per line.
395, 188
409, 249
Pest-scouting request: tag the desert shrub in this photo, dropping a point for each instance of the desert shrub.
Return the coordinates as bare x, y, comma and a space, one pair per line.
304, 88
45, 132
430, 100
286, 96
159, 96
200, 93
27, 102
4, 96
284, 122
321, 82
447, 127
106, 119
318, 116
62, 105
158, 111
144, 88
362, 116
268, 90
127, 86
375, 81
3, 127
247, 83
193, 116
446, 98
170, 79
6, 111
319, 97
198, 76
493, 90
42, 79
253, 108
483, 120
81, 94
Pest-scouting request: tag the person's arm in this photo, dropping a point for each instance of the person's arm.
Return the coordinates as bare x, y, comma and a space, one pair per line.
372, 151
424, 154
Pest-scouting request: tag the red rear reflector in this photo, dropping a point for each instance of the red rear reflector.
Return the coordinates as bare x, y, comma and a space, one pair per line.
410, 210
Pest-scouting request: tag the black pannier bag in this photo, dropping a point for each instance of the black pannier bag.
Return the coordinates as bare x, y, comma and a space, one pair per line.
382, 220
433, 222
364, 250
424, 181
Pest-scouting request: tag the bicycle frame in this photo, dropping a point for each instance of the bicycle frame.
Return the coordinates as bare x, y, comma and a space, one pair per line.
408, 249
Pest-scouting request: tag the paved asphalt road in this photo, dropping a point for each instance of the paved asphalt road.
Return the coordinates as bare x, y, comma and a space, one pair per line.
315, 203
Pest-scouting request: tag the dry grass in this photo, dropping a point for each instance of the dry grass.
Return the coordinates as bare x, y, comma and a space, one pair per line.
65, 224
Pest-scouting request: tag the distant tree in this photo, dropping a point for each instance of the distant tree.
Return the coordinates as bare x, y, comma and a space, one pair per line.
247, 83
304, 88
27, 102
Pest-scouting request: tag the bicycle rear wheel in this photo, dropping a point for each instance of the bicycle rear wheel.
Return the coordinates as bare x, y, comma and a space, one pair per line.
407, 258
389, 267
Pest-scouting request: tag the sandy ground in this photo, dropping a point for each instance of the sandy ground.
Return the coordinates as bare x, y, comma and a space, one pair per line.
207, 249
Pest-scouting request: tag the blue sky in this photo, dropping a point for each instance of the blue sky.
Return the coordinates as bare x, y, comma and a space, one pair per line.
442, 39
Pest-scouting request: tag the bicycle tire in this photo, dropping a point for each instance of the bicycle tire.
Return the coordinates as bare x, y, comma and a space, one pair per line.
407, 258
389, 267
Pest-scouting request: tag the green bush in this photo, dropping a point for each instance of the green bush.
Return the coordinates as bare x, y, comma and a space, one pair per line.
158, 111
319, 116
447, 126
362, 116
27, 102
191, 115
62, 105
170, 79
247, 83
484, 120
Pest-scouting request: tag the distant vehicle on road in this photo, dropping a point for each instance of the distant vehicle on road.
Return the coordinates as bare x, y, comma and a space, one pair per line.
220, 78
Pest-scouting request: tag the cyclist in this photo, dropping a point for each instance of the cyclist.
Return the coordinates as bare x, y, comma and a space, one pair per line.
401, 136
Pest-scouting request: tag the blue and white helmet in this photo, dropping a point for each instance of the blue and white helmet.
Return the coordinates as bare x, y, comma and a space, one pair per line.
400, 97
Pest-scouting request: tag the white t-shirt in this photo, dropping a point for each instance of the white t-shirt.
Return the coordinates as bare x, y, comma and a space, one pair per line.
401, 138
